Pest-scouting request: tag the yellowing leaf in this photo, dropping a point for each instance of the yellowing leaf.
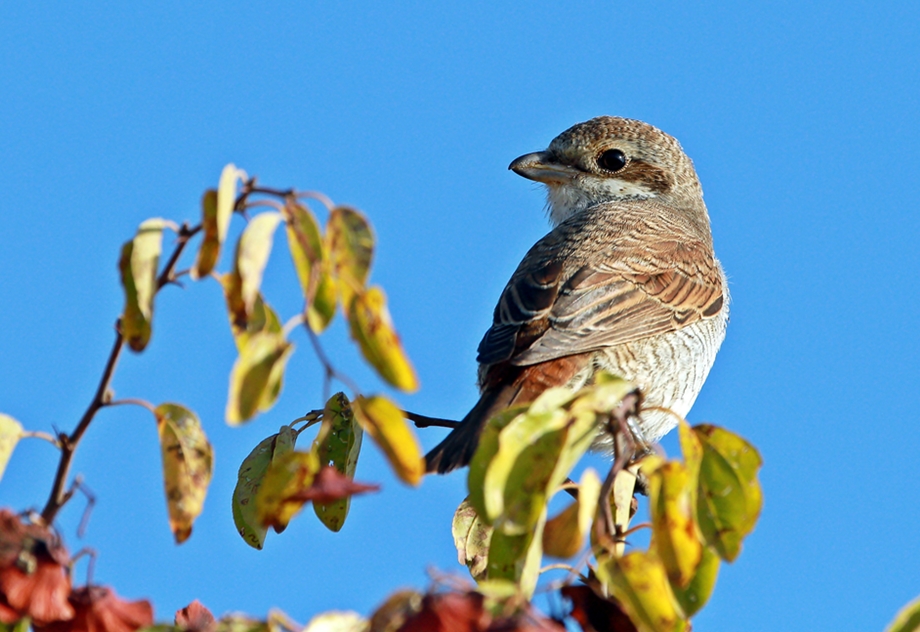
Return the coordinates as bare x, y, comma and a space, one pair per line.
337, 622
277, 500
337, 444
372, 328
255, 380
312, 265
385, 423
138, 266
252, 251
908, 619
695, 595
10, 434
516, 557
187, 466
262, 318
351, 245
565, 533
674, 533
729, 497
252, 472
639, 583
209, 251
471, 537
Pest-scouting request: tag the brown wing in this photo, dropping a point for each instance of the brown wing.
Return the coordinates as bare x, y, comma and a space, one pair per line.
581, 289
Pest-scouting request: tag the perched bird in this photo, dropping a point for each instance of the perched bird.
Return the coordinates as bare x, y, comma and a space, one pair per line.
626, 282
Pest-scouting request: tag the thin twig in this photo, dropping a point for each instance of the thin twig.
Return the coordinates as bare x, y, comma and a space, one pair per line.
133, 401
38, 434
421, 421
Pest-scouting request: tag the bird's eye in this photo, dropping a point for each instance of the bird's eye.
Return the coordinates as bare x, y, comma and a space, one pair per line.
612, 160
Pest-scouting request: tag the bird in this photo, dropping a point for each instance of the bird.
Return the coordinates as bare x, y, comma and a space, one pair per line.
627, 281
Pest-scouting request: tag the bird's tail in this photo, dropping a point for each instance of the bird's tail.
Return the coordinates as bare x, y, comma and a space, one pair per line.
457, 448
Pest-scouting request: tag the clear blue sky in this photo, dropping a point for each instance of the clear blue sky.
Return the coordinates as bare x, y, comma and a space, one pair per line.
802, 121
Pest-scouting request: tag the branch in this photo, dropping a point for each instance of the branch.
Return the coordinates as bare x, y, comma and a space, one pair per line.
103, 396
421, 421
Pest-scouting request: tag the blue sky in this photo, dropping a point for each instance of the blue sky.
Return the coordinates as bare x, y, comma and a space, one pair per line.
802, 122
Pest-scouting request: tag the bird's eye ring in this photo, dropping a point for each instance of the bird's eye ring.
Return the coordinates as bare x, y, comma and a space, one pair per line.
612, 160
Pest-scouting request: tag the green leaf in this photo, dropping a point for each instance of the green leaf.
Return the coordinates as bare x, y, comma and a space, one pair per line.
674, 533
249, 479
639, 583
351, 246
255, 381
385, 423
471, 537
372, 328
187, 466
10, 434
138, 266
311, 264
695, 595
337, 444
516, 557
729, 496
277, 500
209, 252
908, 619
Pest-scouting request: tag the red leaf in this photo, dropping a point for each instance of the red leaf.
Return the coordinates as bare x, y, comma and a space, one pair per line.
195, 618
41, 594
595, 614
99, 609
329, 484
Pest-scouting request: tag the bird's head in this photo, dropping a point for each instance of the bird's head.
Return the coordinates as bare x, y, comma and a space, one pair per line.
609, 159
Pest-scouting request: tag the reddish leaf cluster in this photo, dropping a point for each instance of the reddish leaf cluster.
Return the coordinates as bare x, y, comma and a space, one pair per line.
34, 583
594, 613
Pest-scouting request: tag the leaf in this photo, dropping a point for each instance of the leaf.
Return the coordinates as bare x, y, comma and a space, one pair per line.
471, 537
330, 485
385, 423
674, 533
337, 444
312, 265
255, 381
187, 466
138, 265
337, 622
276, 500
252, 251
517, 557
695, 595
372, 328
639, 583
10, 434
351, 247
729, 496
592, 612
908, 619
564, 534
249, 479
262, 318
209, 252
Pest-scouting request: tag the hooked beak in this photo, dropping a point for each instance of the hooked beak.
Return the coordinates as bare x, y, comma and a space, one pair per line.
541, 166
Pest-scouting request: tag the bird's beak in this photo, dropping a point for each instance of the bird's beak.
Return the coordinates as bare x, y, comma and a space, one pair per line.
541, 166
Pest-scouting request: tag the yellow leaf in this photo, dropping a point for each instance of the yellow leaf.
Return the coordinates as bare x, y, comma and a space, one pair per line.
262, 318
255, 380
351, 246
187, 466
311, 264
372, 328
209, 251
139, 261
338, 444
338, 622
276, 500
639, 583
385, 423
10, 434
908, 619
252, 251
249, 479
674, 533
565, 533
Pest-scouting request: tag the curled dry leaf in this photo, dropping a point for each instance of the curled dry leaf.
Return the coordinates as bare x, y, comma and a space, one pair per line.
99, 609
187, 466
385, 423
195, 618
249, 479
138, 266
372, 328
330, 485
